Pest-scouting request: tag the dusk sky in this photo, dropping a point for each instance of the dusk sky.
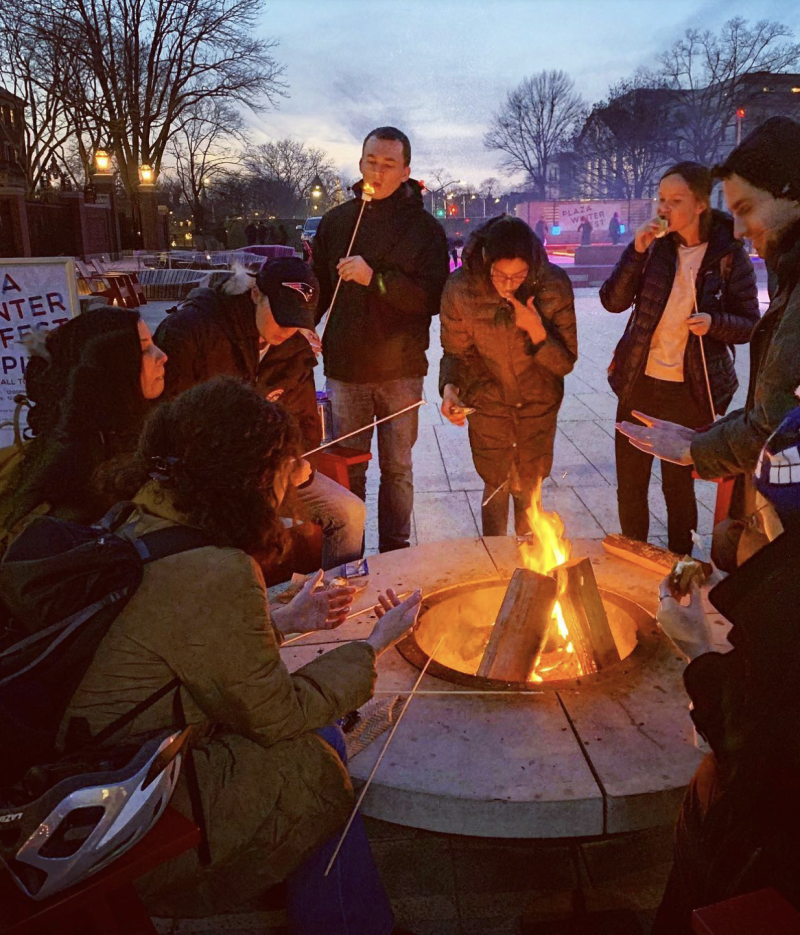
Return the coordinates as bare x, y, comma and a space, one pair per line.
438, 69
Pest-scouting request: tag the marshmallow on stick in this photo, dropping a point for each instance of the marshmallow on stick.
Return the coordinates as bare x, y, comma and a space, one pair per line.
367, 191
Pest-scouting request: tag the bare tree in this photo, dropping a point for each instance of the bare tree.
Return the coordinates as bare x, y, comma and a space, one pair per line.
207, 145
708, 75
147, 64
536, 122
293, 164
626, 139
32, 72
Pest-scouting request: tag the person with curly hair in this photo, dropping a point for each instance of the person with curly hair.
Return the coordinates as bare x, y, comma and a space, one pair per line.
271, 773
509, 337
90, 383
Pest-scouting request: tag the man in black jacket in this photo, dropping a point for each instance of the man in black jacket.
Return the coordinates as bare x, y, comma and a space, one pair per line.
250, 328
376, 338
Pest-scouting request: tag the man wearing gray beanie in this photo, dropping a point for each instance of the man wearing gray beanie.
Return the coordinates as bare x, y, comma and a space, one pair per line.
761, 181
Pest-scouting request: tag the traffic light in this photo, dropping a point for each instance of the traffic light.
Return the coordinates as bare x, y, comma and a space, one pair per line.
453, 210
740, 113
440, 212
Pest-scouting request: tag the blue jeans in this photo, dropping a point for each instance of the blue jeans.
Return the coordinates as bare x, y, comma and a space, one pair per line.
351, 900
354, 405
342, 516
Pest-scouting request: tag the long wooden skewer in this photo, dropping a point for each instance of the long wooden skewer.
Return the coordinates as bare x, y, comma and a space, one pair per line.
374, 770
386, 691
363, 428
364, 199
494, 493
703, 351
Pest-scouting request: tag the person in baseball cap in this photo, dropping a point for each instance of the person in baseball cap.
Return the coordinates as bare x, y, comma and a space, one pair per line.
260, 327
285, 294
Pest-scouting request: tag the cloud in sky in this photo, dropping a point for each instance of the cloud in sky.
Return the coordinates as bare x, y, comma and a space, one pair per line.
439, 68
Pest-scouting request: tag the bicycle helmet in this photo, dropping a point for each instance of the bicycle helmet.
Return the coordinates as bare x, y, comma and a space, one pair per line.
82, 823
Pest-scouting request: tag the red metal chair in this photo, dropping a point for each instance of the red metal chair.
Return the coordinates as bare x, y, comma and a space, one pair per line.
106, 903
764, 912
106, 287
335, 462
128, 281
722, 504
305, 554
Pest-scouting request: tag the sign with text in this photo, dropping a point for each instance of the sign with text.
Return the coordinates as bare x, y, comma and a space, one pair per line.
36, 293
571, 214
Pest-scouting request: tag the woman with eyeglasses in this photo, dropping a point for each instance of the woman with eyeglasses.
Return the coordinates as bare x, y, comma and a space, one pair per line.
509, 339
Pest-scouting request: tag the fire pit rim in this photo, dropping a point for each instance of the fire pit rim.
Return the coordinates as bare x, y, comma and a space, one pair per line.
648, 642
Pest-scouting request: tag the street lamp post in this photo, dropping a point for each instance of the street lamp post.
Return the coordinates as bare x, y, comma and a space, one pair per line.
739, 120
442, 191
148, 209
103, 183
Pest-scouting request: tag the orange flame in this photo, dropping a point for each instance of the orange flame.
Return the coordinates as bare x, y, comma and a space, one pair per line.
544, 552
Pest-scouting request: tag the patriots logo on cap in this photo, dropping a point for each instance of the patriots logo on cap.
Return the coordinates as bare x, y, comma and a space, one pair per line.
305, 290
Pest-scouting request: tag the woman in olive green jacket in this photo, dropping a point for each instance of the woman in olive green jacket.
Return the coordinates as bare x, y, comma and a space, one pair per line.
273, 790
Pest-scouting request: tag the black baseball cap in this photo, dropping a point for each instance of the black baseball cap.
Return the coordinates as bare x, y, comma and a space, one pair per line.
292, 290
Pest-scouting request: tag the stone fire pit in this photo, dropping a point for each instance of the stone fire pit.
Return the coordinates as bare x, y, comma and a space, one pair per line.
605, 754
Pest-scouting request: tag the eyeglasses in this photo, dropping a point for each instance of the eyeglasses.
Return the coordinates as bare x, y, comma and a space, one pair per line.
516, 280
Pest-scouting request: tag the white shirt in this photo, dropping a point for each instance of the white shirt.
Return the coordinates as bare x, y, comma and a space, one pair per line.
668, 344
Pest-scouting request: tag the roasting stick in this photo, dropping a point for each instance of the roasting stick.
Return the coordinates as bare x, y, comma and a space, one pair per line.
363, 428
386, 691
703, 350
494, 493
381, 755
367, 192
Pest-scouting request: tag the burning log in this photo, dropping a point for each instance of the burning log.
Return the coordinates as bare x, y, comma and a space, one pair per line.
662, 561
585, 616
521, 628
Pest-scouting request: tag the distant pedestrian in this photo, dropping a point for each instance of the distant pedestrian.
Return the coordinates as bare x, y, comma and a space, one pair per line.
282, 236
251, 233
586, 232
221, 235
614, 228
262, 232
542, 230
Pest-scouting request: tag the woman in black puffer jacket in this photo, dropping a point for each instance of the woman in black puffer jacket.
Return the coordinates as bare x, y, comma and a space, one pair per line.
657, 367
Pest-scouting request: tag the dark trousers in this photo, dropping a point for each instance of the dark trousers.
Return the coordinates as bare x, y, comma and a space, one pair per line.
719, 855
687, 885
672, 402
351, 900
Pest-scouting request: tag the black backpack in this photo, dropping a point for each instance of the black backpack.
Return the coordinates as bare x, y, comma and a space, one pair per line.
61, 587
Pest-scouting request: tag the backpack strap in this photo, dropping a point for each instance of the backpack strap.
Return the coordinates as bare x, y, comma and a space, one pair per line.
151, 547
171, 540
133, 713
